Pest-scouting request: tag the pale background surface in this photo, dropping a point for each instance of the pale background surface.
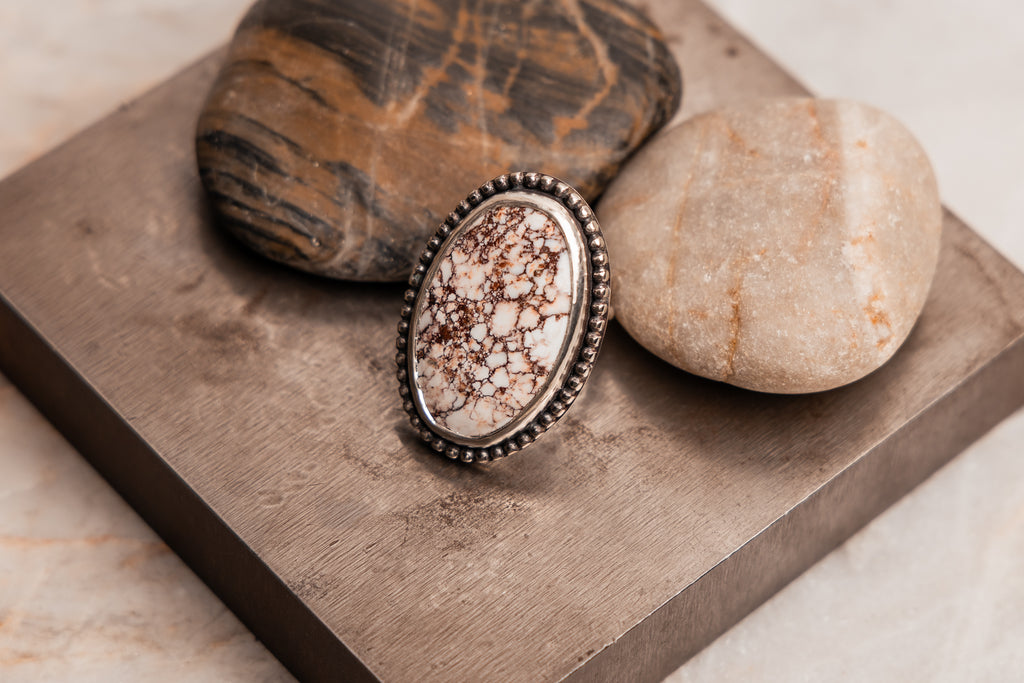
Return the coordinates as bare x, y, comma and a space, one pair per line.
931, 590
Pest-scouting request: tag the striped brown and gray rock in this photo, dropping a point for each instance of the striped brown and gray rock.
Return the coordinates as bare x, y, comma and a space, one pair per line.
782, 245
340, 132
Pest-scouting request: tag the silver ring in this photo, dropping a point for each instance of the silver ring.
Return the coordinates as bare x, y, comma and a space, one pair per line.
503, 318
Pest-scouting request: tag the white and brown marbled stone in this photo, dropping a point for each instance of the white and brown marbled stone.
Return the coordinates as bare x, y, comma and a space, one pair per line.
493, 321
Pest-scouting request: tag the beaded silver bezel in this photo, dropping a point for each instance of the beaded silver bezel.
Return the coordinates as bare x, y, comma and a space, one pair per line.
588, 321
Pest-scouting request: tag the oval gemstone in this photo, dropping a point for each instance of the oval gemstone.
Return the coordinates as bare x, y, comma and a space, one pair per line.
492, 324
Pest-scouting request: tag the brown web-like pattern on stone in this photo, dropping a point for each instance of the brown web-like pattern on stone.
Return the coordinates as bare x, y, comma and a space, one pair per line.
494, 320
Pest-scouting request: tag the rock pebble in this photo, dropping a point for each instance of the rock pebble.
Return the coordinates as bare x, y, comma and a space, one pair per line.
783, 245
339, 134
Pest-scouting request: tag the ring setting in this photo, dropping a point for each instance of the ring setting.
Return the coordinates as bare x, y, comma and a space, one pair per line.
503, 318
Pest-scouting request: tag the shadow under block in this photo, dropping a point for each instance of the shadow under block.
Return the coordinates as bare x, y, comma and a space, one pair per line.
250, 414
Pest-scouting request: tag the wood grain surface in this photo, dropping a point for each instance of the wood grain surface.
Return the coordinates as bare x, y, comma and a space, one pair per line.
249, 413
340, 133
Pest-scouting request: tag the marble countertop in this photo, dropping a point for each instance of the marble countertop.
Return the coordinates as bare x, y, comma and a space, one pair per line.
933, 589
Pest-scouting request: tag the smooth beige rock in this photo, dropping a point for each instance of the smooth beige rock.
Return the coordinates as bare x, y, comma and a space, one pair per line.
783, 245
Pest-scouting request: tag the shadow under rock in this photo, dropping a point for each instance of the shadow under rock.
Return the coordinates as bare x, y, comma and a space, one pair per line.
733, 426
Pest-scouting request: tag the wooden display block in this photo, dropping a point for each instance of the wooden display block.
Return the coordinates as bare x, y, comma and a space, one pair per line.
250, 414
